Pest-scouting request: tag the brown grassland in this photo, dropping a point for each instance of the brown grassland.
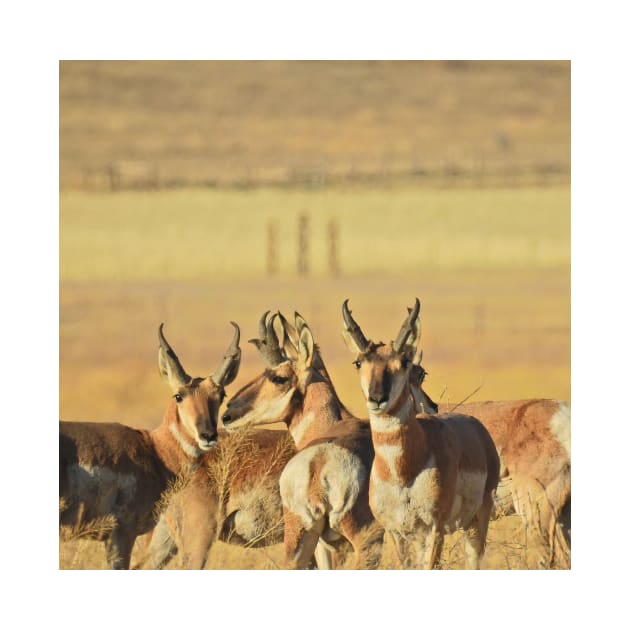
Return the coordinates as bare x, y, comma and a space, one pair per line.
487, 249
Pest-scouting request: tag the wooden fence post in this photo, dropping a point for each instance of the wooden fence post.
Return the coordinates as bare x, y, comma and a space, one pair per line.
303, 238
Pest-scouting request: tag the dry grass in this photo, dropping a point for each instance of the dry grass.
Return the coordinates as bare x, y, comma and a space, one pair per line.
200, 234
509, 546
490, 263
108, 334
239, 451
282, 121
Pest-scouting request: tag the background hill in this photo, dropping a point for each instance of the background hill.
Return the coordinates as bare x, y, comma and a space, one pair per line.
246, 123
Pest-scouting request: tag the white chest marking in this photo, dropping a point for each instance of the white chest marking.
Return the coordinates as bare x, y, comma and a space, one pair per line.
404, 508
390, 454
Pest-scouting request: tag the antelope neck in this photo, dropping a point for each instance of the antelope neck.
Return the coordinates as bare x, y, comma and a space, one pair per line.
318, 412
399, 414
400, 445
174, 448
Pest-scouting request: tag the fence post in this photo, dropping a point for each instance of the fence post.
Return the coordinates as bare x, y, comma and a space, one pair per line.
303, 229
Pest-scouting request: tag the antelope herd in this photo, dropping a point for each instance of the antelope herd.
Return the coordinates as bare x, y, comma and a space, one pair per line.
414, 470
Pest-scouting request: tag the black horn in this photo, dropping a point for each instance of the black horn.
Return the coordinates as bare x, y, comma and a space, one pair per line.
353, 328
407, 327
268, 344
231, 360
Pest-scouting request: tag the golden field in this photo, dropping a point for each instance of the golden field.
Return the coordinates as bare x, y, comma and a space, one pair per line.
446, 181
129, 262
495, 314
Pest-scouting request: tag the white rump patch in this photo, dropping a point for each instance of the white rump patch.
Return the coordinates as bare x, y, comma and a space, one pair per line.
341, 478
561, 426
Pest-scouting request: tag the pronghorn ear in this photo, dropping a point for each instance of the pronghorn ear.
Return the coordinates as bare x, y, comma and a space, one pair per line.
288, 337
300, 322
306, 348
170, 368
164, 369
168, 372
411, 344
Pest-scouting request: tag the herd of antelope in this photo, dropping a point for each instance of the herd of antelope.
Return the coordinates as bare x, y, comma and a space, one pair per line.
332, 482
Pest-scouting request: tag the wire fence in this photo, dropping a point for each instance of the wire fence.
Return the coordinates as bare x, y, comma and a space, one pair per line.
118, 175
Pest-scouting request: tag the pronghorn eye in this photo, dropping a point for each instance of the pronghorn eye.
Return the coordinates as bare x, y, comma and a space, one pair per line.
279, 380
178, 398
357, 364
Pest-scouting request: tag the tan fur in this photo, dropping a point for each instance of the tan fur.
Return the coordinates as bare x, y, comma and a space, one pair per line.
324, 487
535, 462
232, 496
111, 470
431, 474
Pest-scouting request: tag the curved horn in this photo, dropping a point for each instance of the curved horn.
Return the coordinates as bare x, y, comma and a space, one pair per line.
291, 338
353, 328
268, 344
169, 358
407, 327
262, 325
231, 360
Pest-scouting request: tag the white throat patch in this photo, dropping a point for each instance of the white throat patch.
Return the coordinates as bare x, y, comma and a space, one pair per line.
190, 449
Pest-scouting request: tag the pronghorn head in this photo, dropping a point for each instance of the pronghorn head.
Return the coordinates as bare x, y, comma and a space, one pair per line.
384, 369
197, 400
274, 395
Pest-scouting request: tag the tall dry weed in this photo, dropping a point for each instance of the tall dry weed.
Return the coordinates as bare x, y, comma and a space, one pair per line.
242, 467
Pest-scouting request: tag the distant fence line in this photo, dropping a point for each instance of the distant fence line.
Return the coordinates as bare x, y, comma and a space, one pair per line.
119, 175
303, 240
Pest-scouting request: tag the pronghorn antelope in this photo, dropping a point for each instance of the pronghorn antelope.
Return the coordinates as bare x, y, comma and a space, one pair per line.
112, 470
232, 496
431, 474
324, 488
533, 439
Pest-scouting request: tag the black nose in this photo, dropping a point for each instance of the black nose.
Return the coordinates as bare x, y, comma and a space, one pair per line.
208, 437
380, 401
226, 417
